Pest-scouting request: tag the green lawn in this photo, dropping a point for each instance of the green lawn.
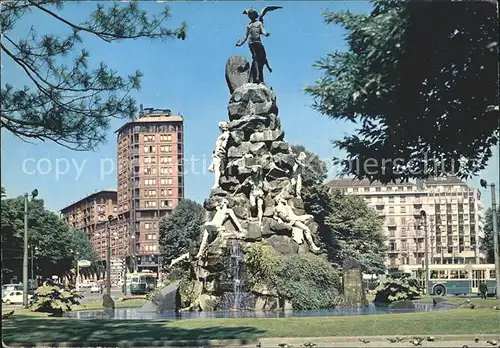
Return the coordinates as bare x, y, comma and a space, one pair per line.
28, 329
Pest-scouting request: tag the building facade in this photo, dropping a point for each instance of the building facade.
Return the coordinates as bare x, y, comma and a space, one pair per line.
90, 213
150, 181
447, 211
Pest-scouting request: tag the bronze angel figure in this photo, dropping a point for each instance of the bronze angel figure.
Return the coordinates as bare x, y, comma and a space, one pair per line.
254, 30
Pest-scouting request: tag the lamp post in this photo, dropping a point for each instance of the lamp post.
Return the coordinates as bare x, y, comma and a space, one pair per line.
496, 251
426, 252
33, 254
108, 255
34, 194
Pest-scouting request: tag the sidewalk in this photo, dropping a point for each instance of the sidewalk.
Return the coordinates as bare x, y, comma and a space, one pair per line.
457, 341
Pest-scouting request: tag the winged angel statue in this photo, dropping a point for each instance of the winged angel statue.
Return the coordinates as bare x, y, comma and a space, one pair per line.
254, 30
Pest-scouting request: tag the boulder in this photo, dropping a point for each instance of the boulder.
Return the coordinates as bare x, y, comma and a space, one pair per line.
256, 93
254, 232
249, 124
258, 149
267, 135
236, 138
284, 161
229, 183
239, 151
241, 212
237, 72
274, 122
218, 192
279, 227
283, 244
208, 303
268, 207
266, 303
167, 299
280, 147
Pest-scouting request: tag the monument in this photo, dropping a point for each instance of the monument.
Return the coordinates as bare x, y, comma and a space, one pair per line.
256, 193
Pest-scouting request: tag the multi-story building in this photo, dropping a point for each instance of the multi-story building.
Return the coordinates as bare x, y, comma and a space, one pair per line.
453, 219
90, 213
150, 181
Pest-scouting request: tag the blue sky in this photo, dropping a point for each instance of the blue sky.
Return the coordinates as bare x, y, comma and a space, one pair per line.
188, 78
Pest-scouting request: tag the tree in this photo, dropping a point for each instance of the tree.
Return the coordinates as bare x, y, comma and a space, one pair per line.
357, 233
180, 231
423, 90
3, 193
348, 227
487, 242
71, 103
46, 231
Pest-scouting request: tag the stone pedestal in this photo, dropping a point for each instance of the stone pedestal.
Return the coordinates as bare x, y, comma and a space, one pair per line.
352, 280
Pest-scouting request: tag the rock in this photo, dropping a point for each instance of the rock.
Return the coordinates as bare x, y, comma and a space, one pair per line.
236, 138
279, 227
249, 124
268, 207
213, 263
229, 183
284, 161
237, 72
266, 303
211, 203
275, 173
108, 302
296, 203
266, 227
258, 149
208, 303
239, 151
280, 147
218, 192
274, 122
267, 135
283, 244
313, 227
263, 290
257, 93
276, 186
254, 232
167, 299
241, 212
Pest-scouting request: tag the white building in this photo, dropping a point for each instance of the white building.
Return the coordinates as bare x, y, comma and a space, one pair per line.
454, 218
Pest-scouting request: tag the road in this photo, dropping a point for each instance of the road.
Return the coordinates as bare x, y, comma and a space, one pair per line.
87, 297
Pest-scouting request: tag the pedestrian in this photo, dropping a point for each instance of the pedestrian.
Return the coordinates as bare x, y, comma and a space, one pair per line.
483, 289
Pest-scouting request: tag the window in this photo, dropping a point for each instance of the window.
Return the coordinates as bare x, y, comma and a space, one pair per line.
462, 274
149, 138
147, 225
167, 203
166, 148
166, 181
403, 210
391, 210
402, 199
149, 182
169, 192
150, 204
492, 274
391, 199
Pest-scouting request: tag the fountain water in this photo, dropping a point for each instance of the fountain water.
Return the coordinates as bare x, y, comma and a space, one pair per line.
237, 298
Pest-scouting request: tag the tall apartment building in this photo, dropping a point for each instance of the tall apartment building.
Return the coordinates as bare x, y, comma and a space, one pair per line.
90, 213
454, 219
150, 181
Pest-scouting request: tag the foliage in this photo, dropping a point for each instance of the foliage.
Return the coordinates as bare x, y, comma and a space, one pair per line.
357, 233
183, 273
180, 230
306, 279
3, 193
347, 226
397, 288
51, 235
423, 90
69, 101
54, 299
487, 242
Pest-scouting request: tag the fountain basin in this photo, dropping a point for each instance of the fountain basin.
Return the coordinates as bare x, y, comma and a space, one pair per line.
136, 314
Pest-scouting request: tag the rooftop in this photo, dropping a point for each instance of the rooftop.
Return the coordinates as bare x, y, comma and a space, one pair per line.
95, 194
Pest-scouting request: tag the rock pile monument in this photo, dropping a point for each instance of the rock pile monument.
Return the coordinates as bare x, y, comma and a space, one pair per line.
257, 182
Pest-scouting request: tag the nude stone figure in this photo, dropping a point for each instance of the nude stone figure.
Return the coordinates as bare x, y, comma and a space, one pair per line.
219, 155
297, 173
217, 225
256, 183
284, 213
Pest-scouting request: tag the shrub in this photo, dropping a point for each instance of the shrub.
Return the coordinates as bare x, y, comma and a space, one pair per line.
308, 281
54, 299
397, 288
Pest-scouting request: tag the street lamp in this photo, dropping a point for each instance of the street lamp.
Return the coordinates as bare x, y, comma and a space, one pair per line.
34, 250
426, 253
496, 251
33, 195
108, 256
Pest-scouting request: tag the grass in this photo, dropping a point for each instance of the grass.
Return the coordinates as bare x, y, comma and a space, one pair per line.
25, 329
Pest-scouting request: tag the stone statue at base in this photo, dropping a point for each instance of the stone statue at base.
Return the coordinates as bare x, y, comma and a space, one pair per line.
256, 183
219, 155
216, 226
254, 31
283, 213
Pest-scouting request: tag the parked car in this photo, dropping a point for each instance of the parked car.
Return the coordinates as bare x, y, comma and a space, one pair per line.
6, 288
95, 289
15, 296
